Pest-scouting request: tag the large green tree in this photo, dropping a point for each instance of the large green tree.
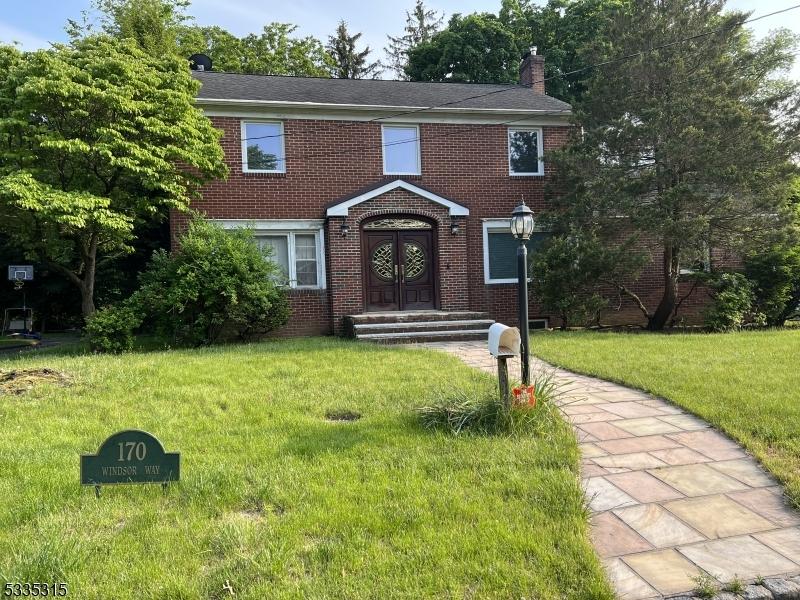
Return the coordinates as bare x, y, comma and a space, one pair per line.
274, 51
348, 61
153, 24
476, 48
566, 33
421, 25
686, 146
96, 137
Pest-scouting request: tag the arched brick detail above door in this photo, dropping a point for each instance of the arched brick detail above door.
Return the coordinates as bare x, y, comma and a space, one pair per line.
345, 264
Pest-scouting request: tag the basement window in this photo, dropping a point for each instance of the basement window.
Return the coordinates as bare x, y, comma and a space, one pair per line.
525, 149
263, 147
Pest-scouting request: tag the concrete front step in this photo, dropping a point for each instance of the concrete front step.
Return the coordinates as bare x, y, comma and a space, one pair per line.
421, 336
406, 327
414, 317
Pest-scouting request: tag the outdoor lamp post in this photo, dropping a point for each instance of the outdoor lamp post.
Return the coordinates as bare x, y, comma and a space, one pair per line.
522, 229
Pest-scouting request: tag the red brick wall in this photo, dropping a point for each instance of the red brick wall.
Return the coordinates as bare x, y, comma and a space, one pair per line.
310, 314
330, 160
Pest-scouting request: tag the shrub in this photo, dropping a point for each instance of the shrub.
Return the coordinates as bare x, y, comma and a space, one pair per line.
481, 410
565, 280
111, 329
732, 303
775, 275
218, 285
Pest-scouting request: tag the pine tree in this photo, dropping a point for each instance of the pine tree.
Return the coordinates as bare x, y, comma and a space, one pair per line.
687, 147
421, 24
349, 62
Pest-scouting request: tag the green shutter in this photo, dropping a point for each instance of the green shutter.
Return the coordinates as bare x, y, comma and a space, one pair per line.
503, 253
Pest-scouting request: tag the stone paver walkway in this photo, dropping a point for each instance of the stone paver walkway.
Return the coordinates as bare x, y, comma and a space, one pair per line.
671, 497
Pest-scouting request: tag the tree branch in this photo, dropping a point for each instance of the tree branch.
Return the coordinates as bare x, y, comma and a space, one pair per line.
630, 294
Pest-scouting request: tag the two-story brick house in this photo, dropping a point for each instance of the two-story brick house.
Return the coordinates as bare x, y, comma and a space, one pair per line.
375, 203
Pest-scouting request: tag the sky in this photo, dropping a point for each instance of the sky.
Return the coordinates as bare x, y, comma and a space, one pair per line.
34, 23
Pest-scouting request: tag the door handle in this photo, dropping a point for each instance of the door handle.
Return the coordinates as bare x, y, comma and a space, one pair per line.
402, 273
395, 272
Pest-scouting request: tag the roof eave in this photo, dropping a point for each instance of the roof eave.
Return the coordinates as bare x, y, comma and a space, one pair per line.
279, 104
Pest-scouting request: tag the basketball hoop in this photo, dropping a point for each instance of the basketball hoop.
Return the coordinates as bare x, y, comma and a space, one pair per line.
18, 320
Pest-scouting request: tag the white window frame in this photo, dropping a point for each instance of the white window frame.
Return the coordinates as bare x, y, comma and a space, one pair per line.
289, 229
383, 149
497, 226
539, 148
245, 167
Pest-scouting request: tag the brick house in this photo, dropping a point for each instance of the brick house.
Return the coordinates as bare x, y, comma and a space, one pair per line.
378, 208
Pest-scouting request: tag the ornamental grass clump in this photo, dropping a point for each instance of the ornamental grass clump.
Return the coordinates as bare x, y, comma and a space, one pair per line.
481, 410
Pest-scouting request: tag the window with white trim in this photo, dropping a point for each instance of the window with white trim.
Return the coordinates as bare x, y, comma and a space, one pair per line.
263, 147
401, 150
298, 254
500, 251
525, 149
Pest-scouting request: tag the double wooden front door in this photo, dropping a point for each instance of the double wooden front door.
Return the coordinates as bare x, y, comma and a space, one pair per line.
399, 270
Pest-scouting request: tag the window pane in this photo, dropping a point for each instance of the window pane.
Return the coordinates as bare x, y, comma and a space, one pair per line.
503, 253
305, 251
401, 149
523, 148
279, 246
264, 144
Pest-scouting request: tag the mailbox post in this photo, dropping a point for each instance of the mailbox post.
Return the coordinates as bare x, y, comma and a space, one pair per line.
504, 343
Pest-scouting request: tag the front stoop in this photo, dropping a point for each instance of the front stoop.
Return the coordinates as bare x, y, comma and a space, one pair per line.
418, 326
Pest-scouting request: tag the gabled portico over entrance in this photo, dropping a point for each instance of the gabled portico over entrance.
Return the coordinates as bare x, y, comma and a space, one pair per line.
396, 246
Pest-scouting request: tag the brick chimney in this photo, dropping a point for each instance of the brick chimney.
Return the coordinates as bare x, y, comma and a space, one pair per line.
531, 71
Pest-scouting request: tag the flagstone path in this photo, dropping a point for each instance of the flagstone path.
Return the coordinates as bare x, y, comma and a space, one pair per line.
671, 497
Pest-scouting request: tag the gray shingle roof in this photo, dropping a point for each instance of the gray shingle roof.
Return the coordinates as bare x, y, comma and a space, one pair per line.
369, 92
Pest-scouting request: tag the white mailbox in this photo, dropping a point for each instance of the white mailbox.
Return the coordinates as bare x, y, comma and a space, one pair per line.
504, 341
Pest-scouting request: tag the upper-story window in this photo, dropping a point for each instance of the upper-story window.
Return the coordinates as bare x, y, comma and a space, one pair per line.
525, 151
262, 147
401, 150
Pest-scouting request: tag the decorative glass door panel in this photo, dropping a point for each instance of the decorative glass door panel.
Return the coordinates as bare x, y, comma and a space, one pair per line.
398, 269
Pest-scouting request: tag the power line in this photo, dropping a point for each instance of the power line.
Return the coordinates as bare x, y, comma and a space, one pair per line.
559, 75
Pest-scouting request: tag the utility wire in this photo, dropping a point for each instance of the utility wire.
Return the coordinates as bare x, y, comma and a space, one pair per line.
561, 75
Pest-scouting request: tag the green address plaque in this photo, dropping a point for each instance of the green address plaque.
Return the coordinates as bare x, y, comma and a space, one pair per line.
130, 456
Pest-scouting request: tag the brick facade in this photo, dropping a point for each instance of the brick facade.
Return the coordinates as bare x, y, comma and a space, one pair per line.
327, 160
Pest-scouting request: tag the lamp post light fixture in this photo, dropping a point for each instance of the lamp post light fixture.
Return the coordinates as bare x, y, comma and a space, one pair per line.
522, 229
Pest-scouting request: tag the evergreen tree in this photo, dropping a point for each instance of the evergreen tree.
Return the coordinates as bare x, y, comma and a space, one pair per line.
421, 24
685, 147
350, 63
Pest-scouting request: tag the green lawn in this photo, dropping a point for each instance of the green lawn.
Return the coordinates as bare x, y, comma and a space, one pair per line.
747, 383
275, 499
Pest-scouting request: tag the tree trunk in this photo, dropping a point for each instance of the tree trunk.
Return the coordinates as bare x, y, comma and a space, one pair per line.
87, 285
669, 298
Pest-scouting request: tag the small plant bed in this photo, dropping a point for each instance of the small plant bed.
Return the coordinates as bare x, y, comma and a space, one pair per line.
276, 501
23, 380
745, 383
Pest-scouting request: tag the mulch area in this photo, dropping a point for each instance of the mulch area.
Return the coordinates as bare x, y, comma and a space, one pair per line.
20, 381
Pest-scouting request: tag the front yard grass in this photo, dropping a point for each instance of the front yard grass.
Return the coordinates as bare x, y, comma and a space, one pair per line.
745, 383
276, 500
